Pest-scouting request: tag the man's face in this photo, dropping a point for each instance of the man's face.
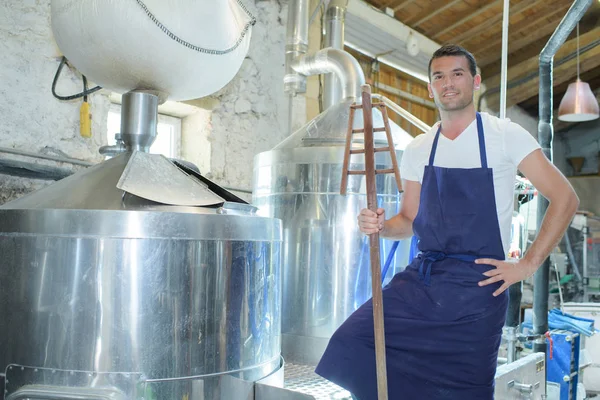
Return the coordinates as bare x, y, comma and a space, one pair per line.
452, 85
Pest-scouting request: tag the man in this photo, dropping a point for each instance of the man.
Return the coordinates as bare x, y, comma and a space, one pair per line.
444, 314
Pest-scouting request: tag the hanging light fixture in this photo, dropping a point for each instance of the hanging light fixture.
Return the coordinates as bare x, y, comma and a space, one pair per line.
579, 103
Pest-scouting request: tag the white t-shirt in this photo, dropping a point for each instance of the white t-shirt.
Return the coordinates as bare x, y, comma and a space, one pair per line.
506, 144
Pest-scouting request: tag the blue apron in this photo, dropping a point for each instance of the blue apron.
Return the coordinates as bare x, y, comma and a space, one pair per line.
442, 330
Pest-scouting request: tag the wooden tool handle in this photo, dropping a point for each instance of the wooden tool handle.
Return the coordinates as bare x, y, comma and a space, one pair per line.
382, 393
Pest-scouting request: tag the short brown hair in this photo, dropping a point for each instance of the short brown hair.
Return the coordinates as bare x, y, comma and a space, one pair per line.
453, 50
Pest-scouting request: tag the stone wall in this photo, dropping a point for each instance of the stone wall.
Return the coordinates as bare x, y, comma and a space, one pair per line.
252, 113
31, 118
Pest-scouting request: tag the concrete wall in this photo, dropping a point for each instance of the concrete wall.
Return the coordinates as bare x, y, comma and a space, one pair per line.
248, 116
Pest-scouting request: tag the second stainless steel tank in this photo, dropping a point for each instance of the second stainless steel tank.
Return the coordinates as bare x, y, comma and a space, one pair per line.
325, 258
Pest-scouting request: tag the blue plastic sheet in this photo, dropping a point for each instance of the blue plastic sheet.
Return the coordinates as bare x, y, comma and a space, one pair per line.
559, 320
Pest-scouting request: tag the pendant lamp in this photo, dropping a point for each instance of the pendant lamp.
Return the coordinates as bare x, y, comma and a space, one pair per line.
579, 103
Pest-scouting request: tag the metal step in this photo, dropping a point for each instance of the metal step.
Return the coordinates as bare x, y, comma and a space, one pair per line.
303, 379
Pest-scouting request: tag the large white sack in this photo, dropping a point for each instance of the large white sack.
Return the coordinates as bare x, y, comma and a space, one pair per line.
184, 49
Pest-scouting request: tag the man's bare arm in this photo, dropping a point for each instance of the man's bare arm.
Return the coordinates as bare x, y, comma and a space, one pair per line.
551, 184
400, 226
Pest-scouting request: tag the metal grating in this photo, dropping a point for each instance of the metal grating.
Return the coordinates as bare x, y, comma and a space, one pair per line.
302, 378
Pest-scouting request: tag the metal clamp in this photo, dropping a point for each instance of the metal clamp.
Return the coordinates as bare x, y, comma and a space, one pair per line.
528, 338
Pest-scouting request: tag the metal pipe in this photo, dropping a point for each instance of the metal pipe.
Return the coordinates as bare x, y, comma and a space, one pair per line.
32, 170
504, 66
545, 132
514, 305
403, 113
572, 257
73, 161
510, 335
334, 38
585, 266
338, 62
113, 150
405, 95
235, 189
139, 120
313, 15
296, 45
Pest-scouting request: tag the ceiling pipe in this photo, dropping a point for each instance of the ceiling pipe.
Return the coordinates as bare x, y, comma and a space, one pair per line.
545, 136
338, 63
299, 65
335, 17
296, 45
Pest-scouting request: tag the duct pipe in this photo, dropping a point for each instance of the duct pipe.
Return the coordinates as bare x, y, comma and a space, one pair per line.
340, 63
73, 161
296, 45
545, 132
334, 38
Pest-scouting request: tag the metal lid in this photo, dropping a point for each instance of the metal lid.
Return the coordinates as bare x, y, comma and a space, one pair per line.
89, 203
331, 126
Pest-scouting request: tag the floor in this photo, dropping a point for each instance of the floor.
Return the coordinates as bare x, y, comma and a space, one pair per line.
302, 378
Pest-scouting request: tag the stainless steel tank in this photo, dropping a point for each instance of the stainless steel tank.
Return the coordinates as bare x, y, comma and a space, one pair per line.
325, 258
104, 295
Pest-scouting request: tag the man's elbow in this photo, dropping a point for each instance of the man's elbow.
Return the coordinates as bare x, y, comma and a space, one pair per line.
565, 201
571, 202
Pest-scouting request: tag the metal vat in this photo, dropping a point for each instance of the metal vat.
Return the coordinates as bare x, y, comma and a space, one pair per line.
107, 296
325, 258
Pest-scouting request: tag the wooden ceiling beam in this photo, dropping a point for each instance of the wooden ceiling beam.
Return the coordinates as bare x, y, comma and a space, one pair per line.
402, 5
433, 12
524, 27
530, 49
469, 16
387, 3
476, 30
558, 91
532, 64
516, 45
562, 73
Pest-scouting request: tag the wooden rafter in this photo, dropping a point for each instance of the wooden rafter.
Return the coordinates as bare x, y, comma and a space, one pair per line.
516, 45
469, 16
402, 5
434, 11
524, 27
562, 73
476, 30
386, 3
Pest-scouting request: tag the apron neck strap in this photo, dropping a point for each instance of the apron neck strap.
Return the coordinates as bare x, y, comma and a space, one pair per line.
482, 153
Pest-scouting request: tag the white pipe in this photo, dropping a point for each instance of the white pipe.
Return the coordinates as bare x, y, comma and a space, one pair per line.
338, 62
504, 65
403, 113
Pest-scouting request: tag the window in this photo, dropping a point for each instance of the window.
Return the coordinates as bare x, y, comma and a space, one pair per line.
168, 140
